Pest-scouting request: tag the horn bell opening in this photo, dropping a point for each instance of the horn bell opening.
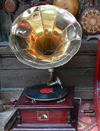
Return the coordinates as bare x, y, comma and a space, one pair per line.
45, 36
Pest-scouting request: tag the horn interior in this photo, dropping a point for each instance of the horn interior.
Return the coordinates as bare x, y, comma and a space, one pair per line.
45, 36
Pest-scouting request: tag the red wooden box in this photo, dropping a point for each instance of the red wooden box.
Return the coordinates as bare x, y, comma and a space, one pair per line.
56, 115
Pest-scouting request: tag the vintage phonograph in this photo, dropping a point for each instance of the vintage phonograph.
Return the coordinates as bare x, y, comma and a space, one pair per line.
46, 37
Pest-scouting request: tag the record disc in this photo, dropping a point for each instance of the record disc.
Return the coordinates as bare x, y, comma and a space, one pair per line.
43, 92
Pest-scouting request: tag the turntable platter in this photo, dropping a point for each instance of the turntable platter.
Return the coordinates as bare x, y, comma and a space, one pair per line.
43, 92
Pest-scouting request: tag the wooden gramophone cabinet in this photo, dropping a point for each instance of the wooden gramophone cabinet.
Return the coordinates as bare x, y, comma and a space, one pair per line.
59, 115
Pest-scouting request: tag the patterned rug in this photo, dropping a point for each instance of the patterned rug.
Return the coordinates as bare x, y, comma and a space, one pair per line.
87, 121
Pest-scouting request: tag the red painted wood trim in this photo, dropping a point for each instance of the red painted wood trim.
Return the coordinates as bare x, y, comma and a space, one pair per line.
97, 72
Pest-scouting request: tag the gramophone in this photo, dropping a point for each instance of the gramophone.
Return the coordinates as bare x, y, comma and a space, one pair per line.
46, 37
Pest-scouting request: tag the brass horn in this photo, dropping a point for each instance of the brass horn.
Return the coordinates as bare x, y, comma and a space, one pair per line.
45, 36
